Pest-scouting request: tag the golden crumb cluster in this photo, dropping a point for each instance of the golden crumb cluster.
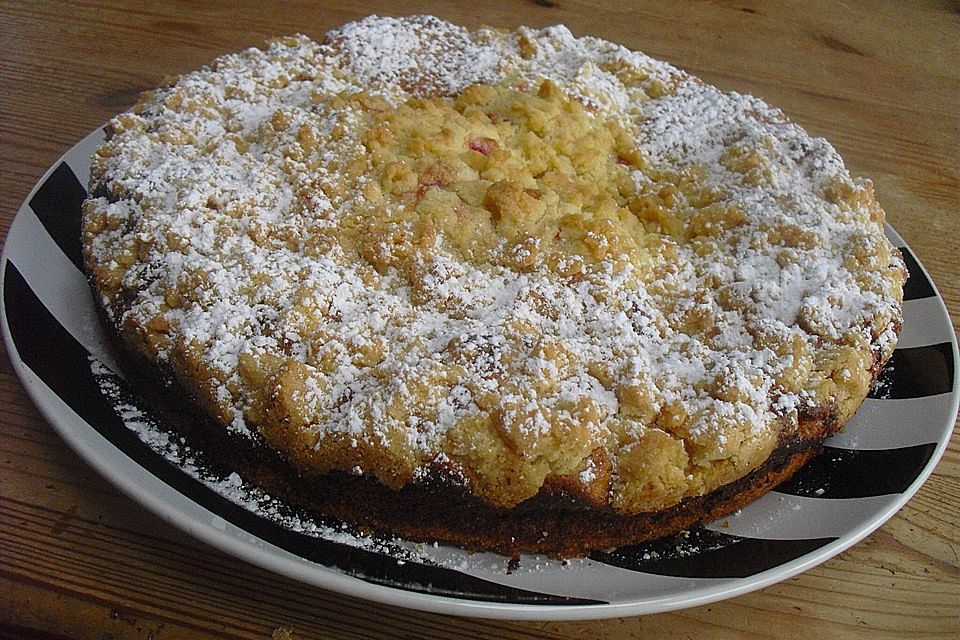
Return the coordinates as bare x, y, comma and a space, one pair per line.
502, 260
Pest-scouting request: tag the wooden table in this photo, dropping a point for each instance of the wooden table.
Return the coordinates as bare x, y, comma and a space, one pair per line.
880, 80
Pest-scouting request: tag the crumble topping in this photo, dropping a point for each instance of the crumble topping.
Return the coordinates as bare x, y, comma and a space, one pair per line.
503, 255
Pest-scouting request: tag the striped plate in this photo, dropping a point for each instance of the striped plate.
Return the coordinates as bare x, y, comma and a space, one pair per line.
862, 477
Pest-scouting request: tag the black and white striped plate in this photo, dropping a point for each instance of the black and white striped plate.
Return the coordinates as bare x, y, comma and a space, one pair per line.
863, 476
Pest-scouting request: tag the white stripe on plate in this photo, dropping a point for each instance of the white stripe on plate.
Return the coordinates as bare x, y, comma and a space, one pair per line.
893, 236
583, 577
895, 423
577, 577
777, 516
923, 324
57, 282
79, 157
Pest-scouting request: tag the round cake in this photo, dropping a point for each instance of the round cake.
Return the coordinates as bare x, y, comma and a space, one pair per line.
516, 291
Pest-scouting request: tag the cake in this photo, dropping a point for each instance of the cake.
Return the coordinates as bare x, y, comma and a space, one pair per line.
516, 291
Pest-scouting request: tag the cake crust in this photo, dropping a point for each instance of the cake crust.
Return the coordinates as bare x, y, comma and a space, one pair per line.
561, 293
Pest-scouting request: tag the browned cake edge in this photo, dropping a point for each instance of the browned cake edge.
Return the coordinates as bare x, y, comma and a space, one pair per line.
556, 522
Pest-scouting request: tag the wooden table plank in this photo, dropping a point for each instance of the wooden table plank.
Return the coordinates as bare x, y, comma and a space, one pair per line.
880, 80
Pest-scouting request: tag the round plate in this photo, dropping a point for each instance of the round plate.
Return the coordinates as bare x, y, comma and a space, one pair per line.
863, 476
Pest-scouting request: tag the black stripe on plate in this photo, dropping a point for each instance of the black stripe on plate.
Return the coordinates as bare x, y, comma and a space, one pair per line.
57, 204
702, 553
859, 473
916, 372
918, 285
63, 364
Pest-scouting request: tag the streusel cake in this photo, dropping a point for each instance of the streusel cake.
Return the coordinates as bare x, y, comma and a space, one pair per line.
513, 290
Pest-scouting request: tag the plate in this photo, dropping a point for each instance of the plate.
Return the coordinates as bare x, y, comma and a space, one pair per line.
862, 477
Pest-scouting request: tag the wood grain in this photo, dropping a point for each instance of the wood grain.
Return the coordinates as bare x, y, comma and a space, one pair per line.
879, 80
